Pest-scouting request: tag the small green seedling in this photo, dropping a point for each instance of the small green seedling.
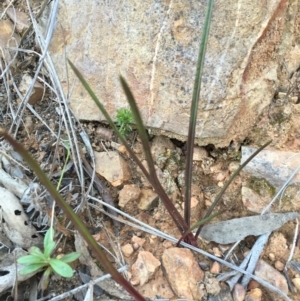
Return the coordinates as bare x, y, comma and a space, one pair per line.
124, 121
37, 260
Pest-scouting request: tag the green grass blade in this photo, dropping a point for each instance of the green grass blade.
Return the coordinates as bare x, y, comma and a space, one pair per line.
107, 117
146, 147
198, 224
193, 113
99, 254
219, 196
143, 135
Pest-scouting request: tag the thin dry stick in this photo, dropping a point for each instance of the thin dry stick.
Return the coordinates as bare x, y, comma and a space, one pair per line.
90, 151
12, 2
37, 17
22, 107
7, 67
103, 191
33, 111
68, 121
294, 243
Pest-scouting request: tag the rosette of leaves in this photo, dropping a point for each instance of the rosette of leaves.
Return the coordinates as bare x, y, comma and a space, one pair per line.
37, 260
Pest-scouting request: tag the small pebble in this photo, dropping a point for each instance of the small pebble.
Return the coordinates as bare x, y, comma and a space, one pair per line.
127, 250
217, 252
238, 293
208, 203
138, 240
221, 176
279, 265
167, 244
296, 282
253, 284
272, 256
215, 268
204, 266
254, 295
135, 246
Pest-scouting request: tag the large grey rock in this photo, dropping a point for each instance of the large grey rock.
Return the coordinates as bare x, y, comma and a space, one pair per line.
272, 165
154, 45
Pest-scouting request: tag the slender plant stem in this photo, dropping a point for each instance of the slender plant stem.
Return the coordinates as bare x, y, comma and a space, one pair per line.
193, 114
219, 196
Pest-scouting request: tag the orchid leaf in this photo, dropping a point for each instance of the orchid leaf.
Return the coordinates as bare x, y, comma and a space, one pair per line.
32, 268
61, 268
70, 257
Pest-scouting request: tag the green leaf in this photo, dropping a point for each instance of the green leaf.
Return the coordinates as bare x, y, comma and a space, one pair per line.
70, 257
49, 236
49, 244
49, 249
32, 268
31, 259
61, 268
176, 216
36, 252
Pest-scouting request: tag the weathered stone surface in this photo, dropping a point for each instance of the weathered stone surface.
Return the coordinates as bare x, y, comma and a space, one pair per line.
154, 45
112, 167
159, 147
128, 197
271, 275
200, 153
144, 268
183, 272
272, 165
252, 201
148, 199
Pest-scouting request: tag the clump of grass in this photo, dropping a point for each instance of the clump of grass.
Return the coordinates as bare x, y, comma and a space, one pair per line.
124, 121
